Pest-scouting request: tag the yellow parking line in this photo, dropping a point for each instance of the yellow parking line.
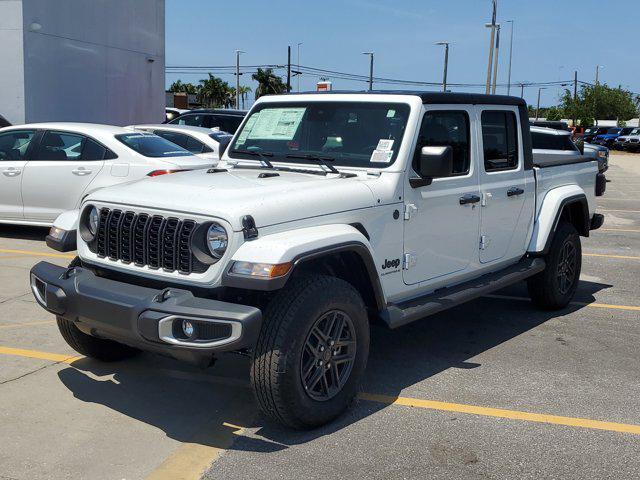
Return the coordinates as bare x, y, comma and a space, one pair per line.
617, 210
28, 324
36, 254
626, 257
502, 413
618, 230
582, 304
52, 357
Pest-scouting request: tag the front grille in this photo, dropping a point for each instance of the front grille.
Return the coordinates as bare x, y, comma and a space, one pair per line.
147, 240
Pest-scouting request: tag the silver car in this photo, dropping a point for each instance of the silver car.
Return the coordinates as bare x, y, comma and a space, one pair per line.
557, 145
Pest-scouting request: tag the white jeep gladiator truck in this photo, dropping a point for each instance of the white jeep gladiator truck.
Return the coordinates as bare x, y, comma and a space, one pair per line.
327, 211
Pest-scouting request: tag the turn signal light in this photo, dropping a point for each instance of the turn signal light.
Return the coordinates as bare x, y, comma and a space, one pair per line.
265, 270
157, 173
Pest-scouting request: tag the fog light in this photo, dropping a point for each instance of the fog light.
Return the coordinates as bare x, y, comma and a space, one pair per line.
188, 328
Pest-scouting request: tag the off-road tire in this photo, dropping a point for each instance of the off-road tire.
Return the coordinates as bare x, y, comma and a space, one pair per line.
545, 288
276, 361
98, 348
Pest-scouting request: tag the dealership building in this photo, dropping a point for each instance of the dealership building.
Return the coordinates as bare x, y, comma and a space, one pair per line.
88, 61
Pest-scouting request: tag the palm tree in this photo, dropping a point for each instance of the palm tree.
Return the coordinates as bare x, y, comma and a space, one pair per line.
176, 86
268, 83
213, 91
244, 90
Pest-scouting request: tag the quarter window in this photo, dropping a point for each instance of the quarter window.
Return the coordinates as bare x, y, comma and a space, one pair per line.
59, 146
447, 128
185, 141
500, 140
14, 144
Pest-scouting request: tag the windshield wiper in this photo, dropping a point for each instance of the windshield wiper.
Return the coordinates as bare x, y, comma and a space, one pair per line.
263, 156
317, 158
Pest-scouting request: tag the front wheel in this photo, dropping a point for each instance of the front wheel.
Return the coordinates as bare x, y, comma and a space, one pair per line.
555, 286
311, 352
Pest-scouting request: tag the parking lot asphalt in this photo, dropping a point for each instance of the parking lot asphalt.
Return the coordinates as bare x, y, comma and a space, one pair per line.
491, 389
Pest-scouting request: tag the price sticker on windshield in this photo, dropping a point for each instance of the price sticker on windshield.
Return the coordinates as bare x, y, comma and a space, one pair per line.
381, 156
384, 145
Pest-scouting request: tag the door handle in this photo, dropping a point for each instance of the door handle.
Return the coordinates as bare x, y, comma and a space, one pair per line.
469, 198
513, 191
81, 171
11, 172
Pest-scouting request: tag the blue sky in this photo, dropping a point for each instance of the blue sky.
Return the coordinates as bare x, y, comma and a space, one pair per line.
552, 38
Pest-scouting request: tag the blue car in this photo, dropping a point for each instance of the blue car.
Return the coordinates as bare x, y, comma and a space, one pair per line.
608, 139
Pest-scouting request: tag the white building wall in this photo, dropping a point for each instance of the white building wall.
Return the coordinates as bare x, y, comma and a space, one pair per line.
11, 64
93, 61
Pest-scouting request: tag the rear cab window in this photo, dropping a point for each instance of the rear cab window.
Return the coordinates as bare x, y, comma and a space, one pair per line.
500, 140
151, 146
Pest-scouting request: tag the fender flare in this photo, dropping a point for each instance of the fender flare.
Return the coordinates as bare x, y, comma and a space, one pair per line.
298, 247
554, 203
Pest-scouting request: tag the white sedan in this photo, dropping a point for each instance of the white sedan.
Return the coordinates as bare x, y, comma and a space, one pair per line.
203, 142
47, 168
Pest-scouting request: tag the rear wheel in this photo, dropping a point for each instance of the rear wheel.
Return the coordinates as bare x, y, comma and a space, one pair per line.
311, 352
555, 286
98, 348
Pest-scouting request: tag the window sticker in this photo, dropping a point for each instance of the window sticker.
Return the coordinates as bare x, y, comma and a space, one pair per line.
391, 113
272, 124
381, 156
384, 144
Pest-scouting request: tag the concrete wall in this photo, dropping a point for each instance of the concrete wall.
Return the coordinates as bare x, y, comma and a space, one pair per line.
11, 65
93, 61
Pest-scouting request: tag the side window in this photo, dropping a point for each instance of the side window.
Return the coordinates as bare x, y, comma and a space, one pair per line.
92, 150
195, 120
545, 141
500, 140
185, 141
60, 146
14, 144
447, 128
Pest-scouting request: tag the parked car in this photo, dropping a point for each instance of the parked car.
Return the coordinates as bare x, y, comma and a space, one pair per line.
4, 122
598, 153
203, 142
556, 125
632, 144
227, 120
591, 133
171, 113
608, 139
47, 168
621, 141
327, 211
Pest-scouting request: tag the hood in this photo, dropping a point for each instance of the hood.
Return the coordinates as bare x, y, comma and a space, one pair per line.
190, 161
237, 192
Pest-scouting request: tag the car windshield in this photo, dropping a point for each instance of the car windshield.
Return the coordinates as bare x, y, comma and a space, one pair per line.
613, 131
151, 145
354, 134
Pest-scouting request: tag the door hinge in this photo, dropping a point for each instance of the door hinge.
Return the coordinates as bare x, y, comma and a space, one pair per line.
409, 210
409, 260
483, 242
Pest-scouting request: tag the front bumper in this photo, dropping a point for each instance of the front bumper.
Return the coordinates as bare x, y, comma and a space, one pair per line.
145, 318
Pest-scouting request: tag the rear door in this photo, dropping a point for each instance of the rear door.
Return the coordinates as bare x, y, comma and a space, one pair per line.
503, 185
60, 170
14, 146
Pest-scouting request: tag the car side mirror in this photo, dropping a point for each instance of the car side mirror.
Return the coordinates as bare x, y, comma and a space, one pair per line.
223, 144
434, 162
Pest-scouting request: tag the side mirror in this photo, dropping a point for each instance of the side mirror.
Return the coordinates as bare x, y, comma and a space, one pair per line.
223, 144
434, 162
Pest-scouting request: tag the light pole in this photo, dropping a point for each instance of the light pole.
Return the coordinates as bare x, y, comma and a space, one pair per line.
446, 64
299, 74
595, 94
493, 33
538, 107
370, 69
238, 52
522, 90
510, 58
495, 56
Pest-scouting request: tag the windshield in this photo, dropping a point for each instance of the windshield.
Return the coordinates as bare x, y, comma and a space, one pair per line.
354, 134
151, 145
613, 131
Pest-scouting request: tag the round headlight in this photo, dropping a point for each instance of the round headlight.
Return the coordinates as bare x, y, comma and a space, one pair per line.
217, 240
93, 221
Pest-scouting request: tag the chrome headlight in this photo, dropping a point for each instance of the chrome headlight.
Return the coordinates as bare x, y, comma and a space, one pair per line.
217, 240
88, 224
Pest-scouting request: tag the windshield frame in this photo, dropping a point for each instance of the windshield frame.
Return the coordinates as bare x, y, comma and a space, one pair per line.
339, 161
178, 151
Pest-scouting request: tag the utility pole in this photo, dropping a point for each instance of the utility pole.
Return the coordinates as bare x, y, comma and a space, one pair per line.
510, 58
289, 68
495, 60
370, 69
538, 107
299, 74
522, 90
446, 64
238, 52
595, 94
492, 25
575, 98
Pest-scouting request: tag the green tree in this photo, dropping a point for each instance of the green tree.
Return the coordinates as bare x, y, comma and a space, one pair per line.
553, 113
600, 102
213, 92
244, 91
178, 86
268, 83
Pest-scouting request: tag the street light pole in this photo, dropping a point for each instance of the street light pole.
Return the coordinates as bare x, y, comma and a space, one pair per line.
538, 107
238, 52
493, 32
370, 69
299, 74
510, 58
522, 90
595, 94
446, 64
495, 60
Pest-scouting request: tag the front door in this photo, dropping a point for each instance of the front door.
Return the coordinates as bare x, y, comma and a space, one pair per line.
62, 167
504, 185
441, 234
13, 151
